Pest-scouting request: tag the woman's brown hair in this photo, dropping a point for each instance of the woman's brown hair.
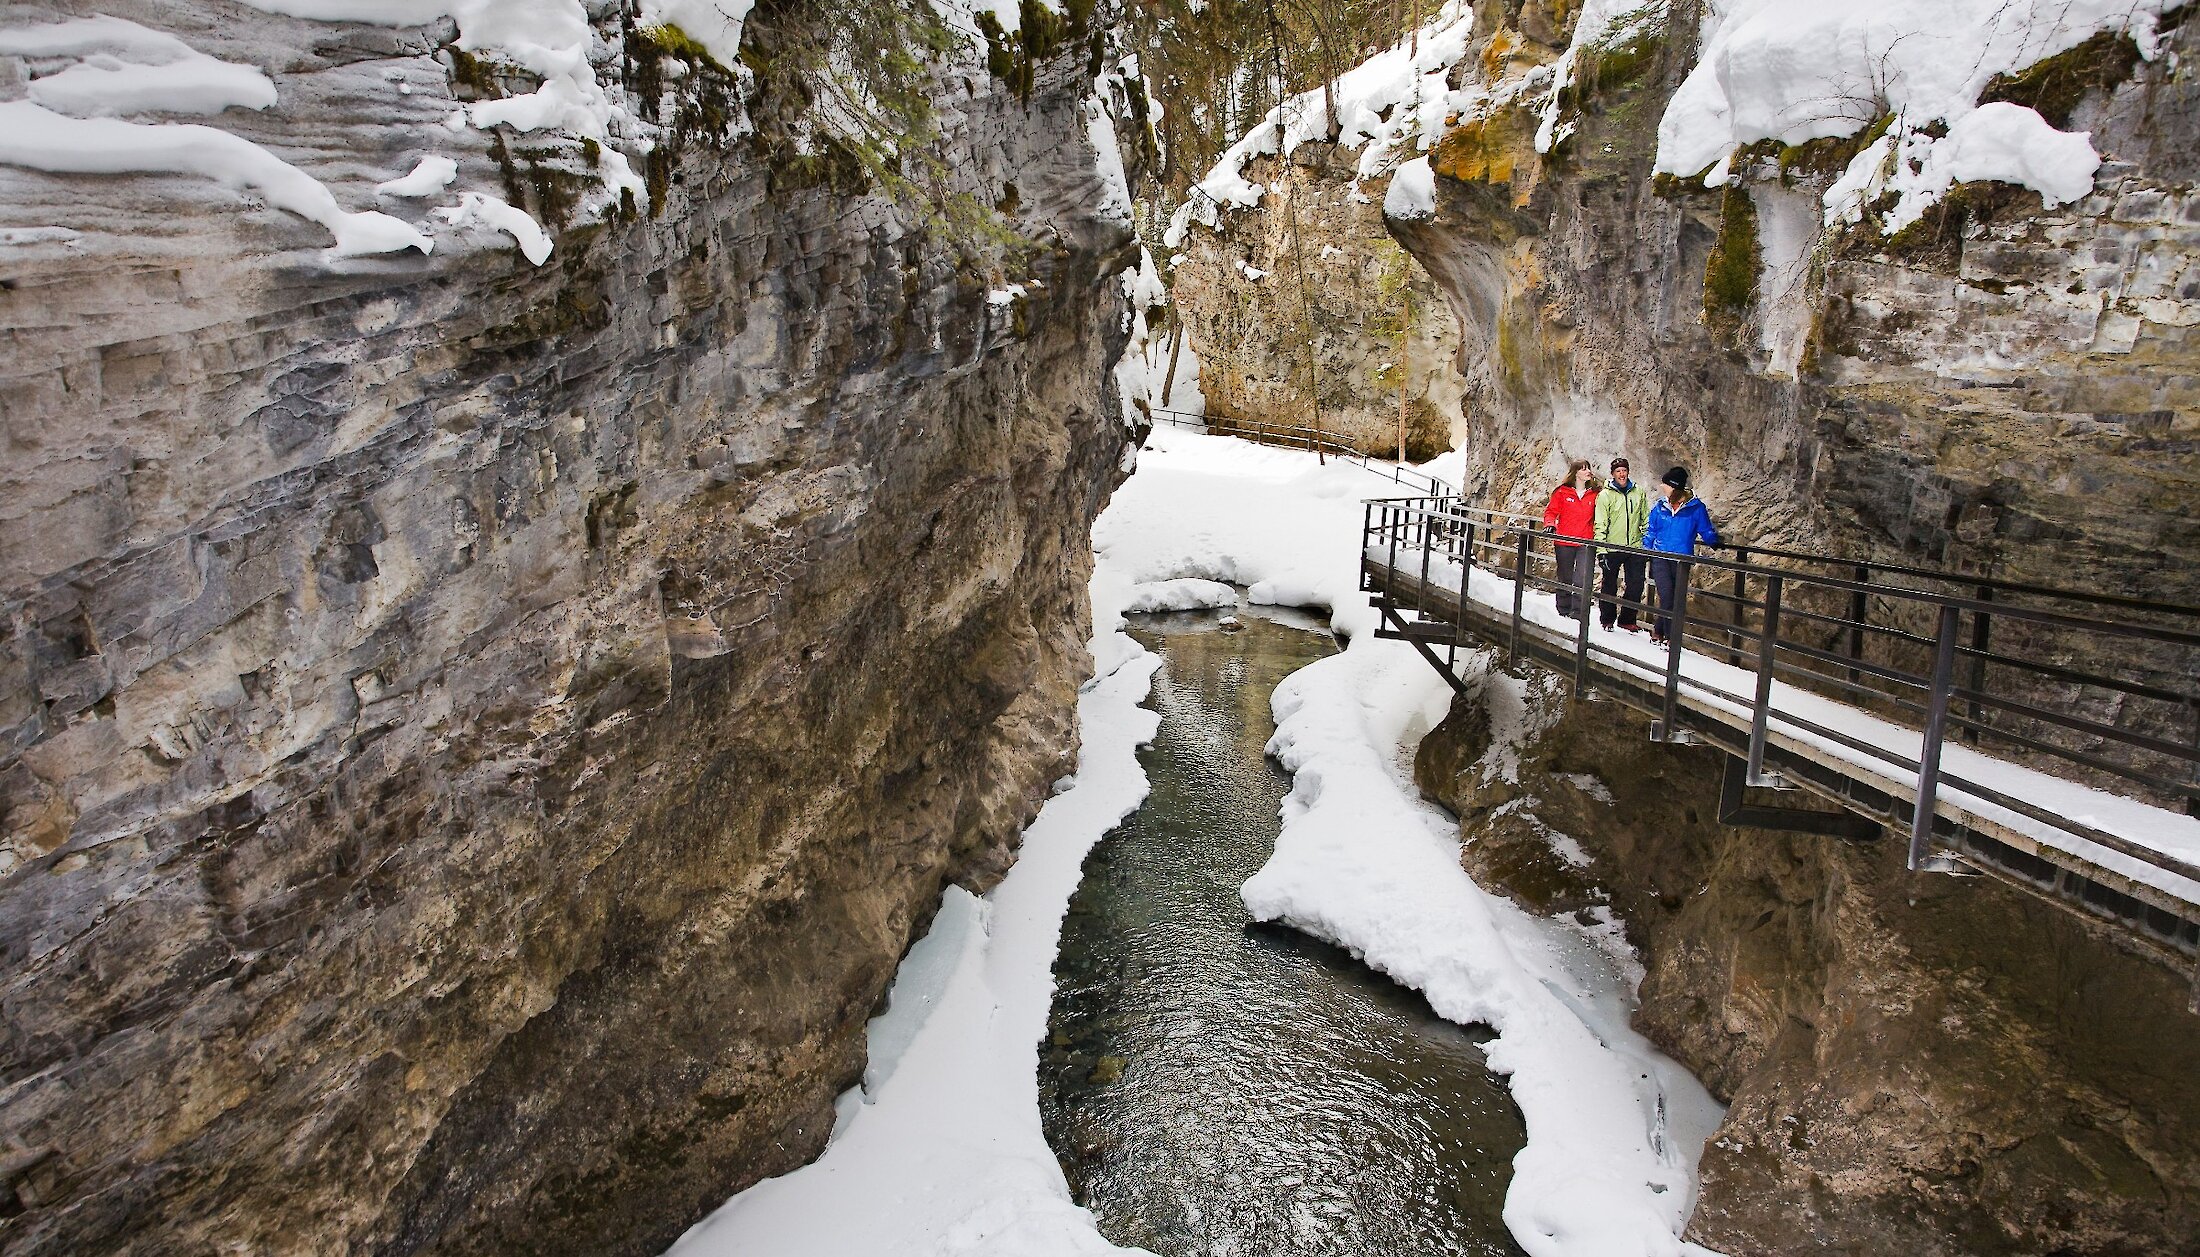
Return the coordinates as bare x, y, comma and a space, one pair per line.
1581, 464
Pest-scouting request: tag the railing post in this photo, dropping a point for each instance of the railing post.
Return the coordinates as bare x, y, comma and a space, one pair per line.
1585, 556
2192, 802
1982, 626
1760, 711
1466, 577
1676, 633
1860, 611
1520, 590
1390, 569
1741, 609
1367, 537
1428, 541
1928, 756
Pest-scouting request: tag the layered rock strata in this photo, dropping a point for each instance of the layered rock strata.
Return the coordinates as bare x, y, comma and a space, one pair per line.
1915, 1064
475, 739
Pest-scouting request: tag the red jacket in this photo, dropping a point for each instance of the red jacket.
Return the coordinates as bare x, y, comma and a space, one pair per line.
1573, 514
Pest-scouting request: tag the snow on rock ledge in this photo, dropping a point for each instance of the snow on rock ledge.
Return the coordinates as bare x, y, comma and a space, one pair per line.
1394, 100
2004, 142
40, 139
474, 208
1412, 191
1801, 70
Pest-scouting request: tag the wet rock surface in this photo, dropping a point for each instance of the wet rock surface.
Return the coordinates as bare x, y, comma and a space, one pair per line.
1914, 1064
475, 740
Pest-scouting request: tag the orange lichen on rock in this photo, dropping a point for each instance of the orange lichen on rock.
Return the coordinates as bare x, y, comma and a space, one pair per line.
1486, 149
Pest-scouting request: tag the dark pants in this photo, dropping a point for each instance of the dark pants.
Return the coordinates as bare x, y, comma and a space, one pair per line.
1666, 575
1569, 578
1615, 567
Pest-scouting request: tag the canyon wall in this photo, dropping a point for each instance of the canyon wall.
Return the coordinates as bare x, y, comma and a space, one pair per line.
2002, 388
1915, 1064
477, 737
1918, 1065
1378, 322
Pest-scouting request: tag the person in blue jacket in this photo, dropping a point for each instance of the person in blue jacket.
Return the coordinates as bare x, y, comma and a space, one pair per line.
1677, 522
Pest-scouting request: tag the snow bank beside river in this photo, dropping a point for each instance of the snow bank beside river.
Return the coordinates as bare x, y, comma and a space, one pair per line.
941, 1151
1614, 1128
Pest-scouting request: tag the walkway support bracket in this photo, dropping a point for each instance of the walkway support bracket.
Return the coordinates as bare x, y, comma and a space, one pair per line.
1520, 591
1403, 631
1844, 824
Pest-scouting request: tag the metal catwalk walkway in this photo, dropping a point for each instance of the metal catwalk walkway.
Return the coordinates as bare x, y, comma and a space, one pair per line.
2047, 738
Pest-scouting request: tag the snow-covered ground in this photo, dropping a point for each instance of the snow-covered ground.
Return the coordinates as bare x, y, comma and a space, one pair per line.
941, 1151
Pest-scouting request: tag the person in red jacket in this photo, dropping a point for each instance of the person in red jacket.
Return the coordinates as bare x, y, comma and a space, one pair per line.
1572, 513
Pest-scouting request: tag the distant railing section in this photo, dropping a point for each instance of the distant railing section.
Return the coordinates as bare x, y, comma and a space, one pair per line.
1295, 437
2095, 687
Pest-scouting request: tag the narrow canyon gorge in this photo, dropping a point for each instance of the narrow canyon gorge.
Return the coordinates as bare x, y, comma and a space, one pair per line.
543, 543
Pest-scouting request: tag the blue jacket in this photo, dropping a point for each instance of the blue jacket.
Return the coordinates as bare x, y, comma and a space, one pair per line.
1672, 532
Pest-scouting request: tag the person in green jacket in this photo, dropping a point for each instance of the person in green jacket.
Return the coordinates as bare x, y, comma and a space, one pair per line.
1623, 512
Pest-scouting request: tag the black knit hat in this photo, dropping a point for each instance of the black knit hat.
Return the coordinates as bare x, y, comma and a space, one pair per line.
1678, 478
1618, 463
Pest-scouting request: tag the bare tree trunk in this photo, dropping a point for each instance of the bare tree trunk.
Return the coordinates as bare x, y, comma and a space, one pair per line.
1401, 408
1291, 206
1176, 343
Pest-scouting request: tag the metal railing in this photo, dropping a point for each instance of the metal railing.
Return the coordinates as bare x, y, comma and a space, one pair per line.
1296, 437
2099, 688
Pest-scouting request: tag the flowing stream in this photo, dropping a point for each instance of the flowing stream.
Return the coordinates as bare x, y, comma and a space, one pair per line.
1226, 1089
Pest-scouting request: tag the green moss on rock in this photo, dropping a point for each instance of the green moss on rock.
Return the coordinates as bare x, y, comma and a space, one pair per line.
472, 76
1935, 240
1623, 56
1829, 157
1040, 34
1730, 276
2055, 87
668, 40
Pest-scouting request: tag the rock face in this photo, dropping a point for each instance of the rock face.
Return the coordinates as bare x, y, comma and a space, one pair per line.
2003, 390
475, 739
1375, 313
1914, 1065
1917, 1065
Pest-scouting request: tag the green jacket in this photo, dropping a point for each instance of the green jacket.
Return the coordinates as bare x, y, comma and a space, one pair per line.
1622, 515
